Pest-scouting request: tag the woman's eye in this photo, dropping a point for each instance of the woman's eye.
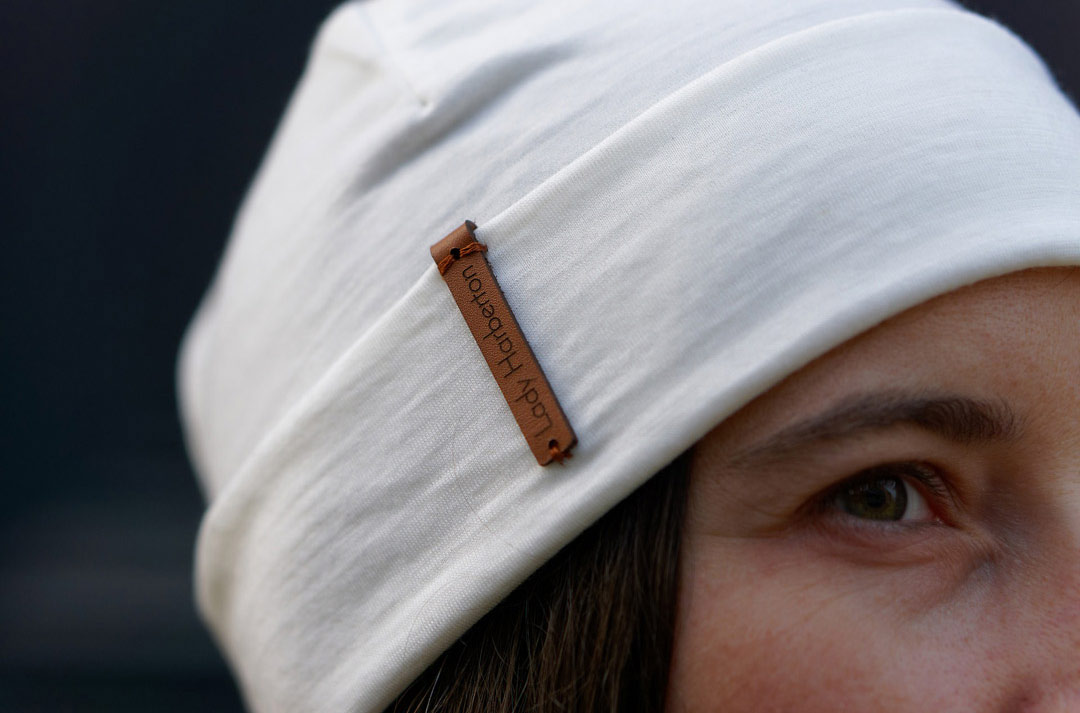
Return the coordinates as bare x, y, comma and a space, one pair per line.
883, 493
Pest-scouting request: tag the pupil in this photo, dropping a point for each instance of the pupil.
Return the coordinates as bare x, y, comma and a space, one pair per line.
876, 499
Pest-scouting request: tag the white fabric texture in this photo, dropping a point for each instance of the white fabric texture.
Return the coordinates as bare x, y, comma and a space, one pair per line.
683, 203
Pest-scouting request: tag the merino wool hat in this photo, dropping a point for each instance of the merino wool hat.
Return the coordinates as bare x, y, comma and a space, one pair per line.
683, 203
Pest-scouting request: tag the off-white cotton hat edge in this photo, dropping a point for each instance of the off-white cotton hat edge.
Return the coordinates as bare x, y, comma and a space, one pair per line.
682, 206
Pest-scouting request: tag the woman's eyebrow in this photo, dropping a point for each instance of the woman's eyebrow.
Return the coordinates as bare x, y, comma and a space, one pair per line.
956, 418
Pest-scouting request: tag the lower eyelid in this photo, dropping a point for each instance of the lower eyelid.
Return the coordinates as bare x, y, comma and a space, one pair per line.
900, 544
903, 533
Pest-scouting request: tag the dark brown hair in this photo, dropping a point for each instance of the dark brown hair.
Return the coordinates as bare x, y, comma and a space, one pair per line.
589, 632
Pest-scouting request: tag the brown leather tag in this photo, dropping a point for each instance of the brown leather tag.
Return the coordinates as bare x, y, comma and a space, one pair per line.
466, 270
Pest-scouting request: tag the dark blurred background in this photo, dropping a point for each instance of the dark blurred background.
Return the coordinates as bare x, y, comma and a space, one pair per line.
128, 135
130, 130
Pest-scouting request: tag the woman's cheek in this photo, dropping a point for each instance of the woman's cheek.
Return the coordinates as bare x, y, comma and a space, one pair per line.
767, 626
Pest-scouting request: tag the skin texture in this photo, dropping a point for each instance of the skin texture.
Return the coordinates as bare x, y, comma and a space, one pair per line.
789, 602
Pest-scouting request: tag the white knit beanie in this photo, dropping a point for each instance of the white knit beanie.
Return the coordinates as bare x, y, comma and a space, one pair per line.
683, 203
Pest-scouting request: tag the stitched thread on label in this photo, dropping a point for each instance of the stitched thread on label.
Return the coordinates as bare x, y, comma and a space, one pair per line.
457, 253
